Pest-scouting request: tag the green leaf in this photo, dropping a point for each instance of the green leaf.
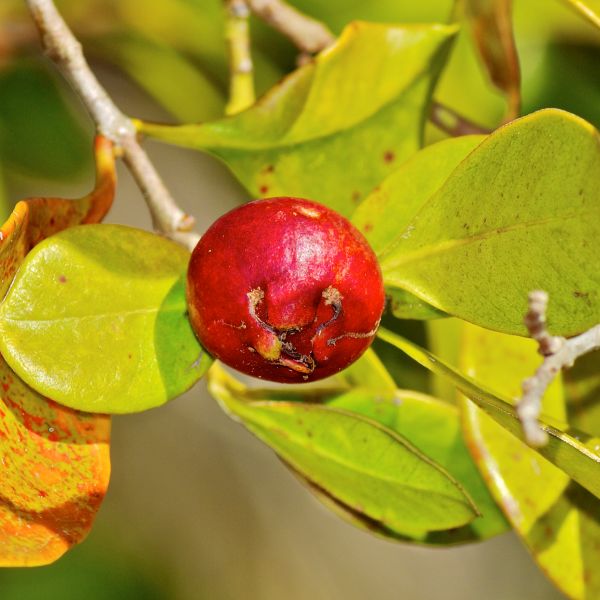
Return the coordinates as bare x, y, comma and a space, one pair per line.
41, 134
519, 213
168, 76
354, 459
97, 320
368, 372
590, 9
361, 103
558, 520
576, 453
404, 305
443, 340
393, 204
434, 428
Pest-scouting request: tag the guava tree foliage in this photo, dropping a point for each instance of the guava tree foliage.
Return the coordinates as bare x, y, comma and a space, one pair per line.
465, 220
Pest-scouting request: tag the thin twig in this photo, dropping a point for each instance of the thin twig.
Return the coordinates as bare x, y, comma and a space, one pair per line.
65, 51
306, 33
241, 77
453, 123
559, 353
311, 36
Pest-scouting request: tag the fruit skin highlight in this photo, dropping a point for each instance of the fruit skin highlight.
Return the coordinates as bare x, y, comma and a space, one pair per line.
284, 289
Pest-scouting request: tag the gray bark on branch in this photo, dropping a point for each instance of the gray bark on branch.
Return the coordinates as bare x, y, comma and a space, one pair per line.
65, 51
559, 353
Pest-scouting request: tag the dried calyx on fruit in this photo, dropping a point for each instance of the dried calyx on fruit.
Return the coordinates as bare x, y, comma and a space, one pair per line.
285, 289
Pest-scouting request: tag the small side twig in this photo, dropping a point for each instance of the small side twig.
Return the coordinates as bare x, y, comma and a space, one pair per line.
453, 123
241, 77
559, 353
307, 34
66, 52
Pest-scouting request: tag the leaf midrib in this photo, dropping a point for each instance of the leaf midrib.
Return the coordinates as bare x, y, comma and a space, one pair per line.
452, 244
360, 469
127, 313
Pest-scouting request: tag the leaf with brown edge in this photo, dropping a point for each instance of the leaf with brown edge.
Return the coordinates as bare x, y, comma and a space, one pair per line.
35, 219
55, 461
491, 22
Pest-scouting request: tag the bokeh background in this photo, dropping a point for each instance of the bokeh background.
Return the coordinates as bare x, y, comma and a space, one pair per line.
197, 508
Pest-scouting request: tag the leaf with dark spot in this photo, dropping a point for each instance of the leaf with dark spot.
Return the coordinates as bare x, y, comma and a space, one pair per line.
324, 136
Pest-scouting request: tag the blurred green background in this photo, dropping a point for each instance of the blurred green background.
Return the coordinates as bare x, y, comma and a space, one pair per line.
197, 508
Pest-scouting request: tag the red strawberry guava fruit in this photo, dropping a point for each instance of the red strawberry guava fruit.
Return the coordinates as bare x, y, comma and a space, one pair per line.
284, 289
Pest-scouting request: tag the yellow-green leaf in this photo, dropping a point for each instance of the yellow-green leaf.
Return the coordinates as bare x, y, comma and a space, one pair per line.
393, 204
582, 392
359, 462
576, 453
434, 428
558, 520
97, 320
360, 104
521, 212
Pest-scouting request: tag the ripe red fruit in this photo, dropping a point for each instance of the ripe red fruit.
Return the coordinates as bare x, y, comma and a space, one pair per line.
284, 289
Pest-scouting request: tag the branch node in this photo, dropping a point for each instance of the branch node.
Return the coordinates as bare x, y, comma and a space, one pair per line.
559, 353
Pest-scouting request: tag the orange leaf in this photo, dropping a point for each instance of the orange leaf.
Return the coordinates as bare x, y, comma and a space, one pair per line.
54, 461
55, 470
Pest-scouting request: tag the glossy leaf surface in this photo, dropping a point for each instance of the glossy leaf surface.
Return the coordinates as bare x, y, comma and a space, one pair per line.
361, 102
367, 372
97, 319
519, 213
576, 453
362, 464
558, 520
